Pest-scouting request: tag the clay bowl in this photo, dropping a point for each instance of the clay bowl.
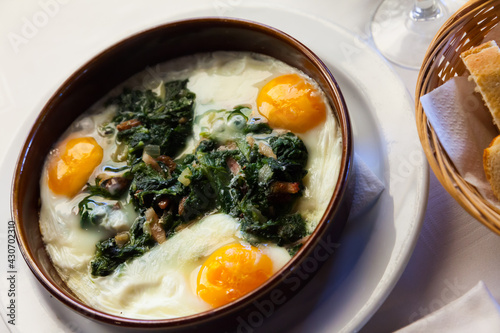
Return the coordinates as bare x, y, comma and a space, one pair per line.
113, 66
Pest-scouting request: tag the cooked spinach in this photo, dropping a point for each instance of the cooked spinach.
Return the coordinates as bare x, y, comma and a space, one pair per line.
92, 212
149, 185
283, 230
111, 188
227, 175
110, 254
165, 122
143, 119
258, 128
249, 195
291, 154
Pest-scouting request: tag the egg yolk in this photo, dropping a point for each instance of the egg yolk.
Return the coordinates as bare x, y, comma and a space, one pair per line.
231, 272
292, 103
73, 163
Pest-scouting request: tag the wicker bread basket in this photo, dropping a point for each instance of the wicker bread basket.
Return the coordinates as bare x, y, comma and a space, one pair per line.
464, 30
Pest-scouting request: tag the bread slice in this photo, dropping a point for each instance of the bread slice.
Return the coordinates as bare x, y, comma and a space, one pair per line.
491, 165
483, 63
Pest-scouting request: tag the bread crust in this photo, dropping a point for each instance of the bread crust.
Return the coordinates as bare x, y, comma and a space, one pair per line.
491, 165
483, 63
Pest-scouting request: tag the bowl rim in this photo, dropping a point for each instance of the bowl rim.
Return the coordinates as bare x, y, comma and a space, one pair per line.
340, 112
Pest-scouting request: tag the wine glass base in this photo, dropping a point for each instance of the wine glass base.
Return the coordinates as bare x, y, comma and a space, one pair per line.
401, 37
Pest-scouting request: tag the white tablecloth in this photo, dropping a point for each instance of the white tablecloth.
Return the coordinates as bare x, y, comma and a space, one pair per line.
453, 252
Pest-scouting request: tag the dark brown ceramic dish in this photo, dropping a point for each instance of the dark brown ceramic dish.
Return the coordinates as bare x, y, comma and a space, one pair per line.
113, 66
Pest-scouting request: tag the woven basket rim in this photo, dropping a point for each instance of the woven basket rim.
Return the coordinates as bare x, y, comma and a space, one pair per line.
465, 20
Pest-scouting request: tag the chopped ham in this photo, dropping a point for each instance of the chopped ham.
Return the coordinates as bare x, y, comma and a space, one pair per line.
284, 187
128, 124
122, 238
157, 231
250, 140
163, 204
151, 161
228, 146
168, 161
233, 165
115, 185
265, 150
181, 205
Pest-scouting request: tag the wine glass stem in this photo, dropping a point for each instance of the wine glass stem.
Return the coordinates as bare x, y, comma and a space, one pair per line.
425, 10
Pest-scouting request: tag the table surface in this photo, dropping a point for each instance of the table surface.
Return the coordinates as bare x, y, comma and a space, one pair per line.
453, 251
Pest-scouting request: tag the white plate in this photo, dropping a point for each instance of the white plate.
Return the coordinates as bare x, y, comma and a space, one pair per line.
374, 249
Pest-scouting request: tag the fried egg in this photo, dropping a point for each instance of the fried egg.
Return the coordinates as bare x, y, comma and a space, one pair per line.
163, 283
209, 263
291, 102
72, 164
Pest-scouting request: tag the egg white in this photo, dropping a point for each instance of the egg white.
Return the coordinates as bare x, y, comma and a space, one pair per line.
162, 282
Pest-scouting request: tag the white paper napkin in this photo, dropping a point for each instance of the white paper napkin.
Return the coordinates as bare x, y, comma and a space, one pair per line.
465, 128
476, 311
365, 189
